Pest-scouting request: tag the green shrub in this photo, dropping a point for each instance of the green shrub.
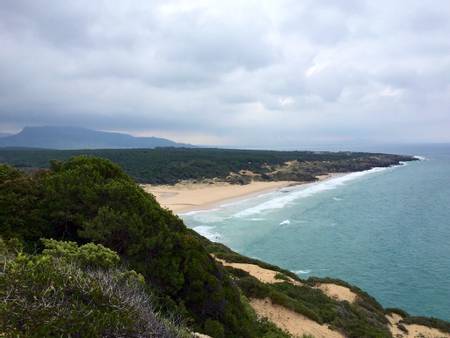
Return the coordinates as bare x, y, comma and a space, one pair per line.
54, 296
8, 173
398, 311
281, 277
214, 329
87, 255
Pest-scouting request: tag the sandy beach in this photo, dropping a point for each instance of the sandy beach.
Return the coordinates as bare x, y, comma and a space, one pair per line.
186, 196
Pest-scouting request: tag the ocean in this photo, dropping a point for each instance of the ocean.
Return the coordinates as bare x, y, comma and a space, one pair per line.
386, 230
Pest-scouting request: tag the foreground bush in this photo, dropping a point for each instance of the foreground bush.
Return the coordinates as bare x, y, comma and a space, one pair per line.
92, 200
75, 291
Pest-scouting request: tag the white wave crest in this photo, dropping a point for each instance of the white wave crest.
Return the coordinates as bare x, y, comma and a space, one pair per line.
195, 212
421, 158
305, 191
285, 222
207, 232
301, 272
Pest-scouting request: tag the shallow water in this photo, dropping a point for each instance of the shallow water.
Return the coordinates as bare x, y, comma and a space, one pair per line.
384, 230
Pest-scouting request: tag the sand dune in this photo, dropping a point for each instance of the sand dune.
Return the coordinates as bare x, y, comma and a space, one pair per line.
337, 292
290, 321
263, 275
414, 330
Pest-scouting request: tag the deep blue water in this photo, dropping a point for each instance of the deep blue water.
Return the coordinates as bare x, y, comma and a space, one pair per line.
386, 231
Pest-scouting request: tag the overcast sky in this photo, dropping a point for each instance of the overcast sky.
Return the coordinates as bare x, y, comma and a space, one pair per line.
238, 73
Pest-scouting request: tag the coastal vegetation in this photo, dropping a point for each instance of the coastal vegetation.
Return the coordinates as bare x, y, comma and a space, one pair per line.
81, 290
365, 318
86, 252
172, 165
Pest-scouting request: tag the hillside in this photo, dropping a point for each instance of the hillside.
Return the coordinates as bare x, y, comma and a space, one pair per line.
80, 138
129, 256
171, 165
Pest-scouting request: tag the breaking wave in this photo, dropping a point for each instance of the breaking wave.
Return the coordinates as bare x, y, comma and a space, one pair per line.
207, 231
305, 191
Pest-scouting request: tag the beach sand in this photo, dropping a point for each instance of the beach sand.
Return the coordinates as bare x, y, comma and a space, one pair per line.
184, 197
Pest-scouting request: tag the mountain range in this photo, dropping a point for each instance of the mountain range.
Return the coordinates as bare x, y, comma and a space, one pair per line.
56, 137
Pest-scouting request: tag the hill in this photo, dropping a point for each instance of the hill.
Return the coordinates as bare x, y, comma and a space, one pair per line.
80, 138
109, 237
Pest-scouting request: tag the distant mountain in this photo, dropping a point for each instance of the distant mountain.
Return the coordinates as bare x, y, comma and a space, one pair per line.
81, 138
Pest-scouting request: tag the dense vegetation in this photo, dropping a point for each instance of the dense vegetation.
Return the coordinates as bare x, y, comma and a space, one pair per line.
116, 255
170, 165
92, 200
75, 289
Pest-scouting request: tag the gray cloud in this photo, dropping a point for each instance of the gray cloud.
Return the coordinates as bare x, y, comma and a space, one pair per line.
257, 73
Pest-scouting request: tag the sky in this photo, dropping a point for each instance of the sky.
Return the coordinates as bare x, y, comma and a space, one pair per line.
272, 74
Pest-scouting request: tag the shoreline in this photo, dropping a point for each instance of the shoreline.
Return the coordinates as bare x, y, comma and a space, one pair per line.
186, 197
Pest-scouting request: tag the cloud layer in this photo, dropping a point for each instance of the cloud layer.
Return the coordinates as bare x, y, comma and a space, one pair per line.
253, 73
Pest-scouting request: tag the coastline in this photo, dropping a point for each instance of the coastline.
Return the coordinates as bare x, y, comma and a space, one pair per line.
186, 197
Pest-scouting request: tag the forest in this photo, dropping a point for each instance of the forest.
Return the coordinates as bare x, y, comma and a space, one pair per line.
171, 165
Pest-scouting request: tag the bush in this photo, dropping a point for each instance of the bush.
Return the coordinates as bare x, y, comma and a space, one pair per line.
87, 255
400, 312
214, 329
51, 295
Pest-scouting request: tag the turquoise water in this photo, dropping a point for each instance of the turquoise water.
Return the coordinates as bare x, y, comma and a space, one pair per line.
386, 231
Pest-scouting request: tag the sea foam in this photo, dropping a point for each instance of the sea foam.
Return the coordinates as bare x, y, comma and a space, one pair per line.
207, 231
303, 191
195, 212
